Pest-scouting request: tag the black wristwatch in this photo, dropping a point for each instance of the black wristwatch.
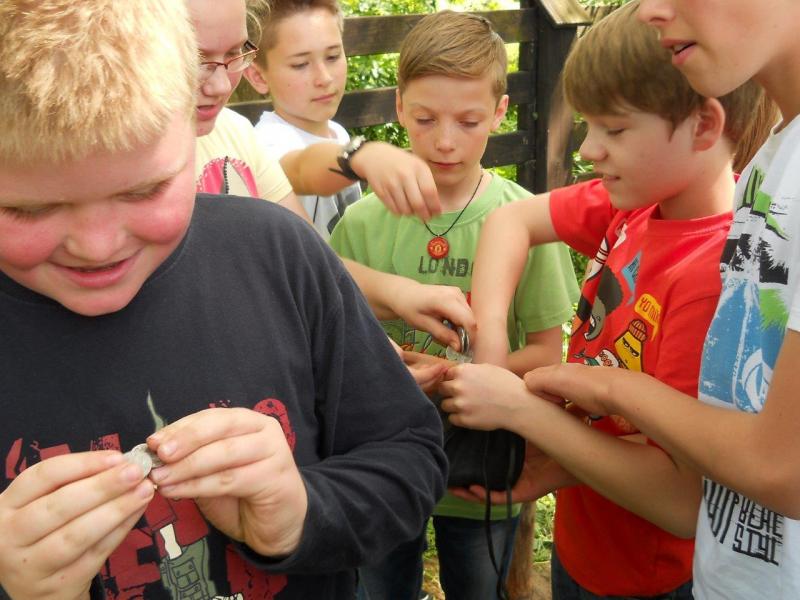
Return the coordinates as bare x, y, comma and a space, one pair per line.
346, 155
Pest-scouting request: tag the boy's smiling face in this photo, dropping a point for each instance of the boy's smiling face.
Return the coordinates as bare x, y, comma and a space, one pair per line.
643, 161
89, 233
306, 70
720, 44
448, 122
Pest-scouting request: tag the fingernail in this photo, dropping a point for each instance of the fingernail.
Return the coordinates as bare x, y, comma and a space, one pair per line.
114, 459
160, 474
132, 473
145, 489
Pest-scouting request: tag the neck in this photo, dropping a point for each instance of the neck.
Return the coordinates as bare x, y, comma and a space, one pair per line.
456, 196
707, 196
781, 82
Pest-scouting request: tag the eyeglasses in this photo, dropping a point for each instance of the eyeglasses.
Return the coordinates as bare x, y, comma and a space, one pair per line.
232, 65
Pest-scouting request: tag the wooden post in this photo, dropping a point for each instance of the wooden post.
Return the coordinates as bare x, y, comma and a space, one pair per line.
548, 122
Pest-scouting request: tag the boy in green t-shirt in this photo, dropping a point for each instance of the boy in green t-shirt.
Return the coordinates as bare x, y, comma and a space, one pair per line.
452, 82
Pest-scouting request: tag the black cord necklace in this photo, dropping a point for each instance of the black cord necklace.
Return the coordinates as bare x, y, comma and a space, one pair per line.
438, 246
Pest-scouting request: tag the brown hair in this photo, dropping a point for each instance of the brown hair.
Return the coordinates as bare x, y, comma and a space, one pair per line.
453, 44
78, 76
765, 117
619, 63
265, 15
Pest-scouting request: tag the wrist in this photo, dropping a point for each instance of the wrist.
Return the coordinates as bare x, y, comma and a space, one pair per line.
345, 158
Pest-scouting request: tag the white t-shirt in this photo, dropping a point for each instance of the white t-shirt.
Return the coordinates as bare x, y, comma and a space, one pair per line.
229, 160
744, 550
278, 137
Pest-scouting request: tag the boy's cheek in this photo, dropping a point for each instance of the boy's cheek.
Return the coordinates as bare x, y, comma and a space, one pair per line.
24, 245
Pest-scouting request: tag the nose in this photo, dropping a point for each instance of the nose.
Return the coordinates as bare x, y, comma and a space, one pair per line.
655, 12
322, 75
592, 148
219, 84
445, 139
96, 234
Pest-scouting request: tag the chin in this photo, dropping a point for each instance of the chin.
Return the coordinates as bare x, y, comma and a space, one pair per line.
96, 307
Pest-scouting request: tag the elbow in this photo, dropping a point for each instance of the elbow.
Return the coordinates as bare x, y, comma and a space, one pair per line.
780, 491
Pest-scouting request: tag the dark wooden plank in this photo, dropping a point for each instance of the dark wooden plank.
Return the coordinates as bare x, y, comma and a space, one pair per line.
553, 124
361, 108
380, 35
507, 149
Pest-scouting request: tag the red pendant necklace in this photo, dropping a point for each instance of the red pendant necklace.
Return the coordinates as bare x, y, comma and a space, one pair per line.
438, 246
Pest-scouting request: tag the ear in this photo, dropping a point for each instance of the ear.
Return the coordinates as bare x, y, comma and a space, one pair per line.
709, 124
500, 112
398, 107
255, 78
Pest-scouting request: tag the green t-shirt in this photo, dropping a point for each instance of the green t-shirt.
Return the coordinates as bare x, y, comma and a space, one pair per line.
371, 235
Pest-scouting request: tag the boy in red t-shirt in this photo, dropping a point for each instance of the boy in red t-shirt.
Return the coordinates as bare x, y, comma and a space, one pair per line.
655, 224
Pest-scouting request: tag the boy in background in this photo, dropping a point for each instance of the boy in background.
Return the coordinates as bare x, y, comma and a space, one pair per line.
131, 311
742, 436
451, 96
655, 223
303, 68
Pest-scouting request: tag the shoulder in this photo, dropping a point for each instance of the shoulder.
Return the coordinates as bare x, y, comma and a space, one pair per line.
340, 132
229, 118
368, 209
277, 135
250, 230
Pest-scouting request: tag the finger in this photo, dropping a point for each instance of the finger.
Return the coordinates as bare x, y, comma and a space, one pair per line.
429, 191
465, 494
392, 193
179, 439
72, 502
67, 544
427, 374
218, 456
415, 201
441, 332
89, 563
53, 473
385, 195
240, 482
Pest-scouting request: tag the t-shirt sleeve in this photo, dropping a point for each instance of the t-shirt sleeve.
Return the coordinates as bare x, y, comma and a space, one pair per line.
381, 437
581, 214
270, 178
348, 237
547, 289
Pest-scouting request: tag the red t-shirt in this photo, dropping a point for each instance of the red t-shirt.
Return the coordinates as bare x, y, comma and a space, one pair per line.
646, 304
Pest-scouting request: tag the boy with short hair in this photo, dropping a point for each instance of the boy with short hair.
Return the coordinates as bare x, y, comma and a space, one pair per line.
303, 68
655, 224
452, 81
131, 312
743, 435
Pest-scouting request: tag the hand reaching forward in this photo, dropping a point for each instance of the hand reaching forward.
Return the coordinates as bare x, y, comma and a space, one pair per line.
540, 475
62, 518
238, 467
401, 180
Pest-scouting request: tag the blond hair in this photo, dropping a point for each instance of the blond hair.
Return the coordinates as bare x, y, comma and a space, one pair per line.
618, 63
453, 44
77, 76
264, 16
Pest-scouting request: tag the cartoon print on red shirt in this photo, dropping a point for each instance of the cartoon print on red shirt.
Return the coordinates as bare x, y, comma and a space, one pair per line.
227, 176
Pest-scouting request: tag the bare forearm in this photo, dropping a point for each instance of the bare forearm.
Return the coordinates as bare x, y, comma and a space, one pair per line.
638, 477
308, 170
543, 348
755, 454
